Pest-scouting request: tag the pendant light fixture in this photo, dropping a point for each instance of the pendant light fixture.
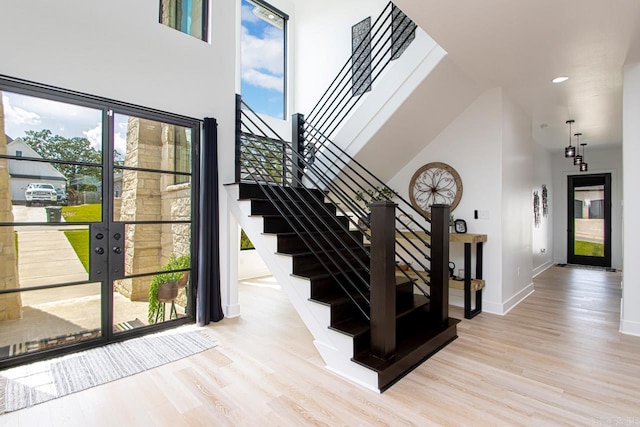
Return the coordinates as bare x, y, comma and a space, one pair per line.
578, 158
584, 167
570, 150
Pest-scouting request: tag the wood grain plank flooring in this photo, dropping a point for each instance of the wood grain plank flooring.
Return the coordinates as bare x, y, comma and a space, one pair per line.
555, 359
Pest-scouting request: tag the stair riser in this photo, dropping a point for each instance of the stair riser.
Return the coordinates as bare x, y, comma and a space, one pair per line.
252, 191
405, 324
265, 207
342, 311
303, 264
280, 225
290, 244
327, 288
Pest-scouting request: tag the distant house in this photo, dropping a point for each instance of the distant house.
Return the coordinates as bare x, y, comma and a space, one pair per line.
25, 172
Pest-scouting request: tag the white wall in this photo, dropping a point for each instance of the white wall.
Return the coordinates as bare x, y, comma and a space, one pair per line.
251, 265
517, 212
117, 49
471, 144
323, 34
630, 313
542, 235
490, 146
600, 160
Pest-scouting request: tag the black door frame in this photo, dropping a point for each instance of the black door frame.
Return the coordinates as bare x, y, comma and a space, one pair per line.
109, 107
574, 181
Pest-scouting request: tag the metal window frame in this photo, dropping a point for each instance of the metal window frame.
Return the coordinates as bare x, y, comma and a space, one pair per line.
285, 74
108, 108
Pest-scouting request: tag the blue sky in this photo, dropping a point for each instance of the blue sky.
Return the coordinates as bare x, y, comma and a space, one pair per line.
262, 47
23, 113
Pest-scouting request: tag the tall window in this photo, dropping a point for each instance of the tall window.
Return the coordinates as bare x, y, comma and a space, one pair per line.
182, 147
263, 58
188, 16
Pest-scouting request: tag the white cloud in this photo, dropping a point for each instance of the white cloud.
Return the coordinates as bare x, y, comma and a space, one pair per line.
17, 115
120, 141
247, 14
263, 58
94, 136
266, 52
264, 80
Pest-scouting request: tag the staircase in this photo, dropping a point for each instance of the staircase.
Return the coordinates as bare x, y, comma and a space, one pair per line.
415, 342
335, 258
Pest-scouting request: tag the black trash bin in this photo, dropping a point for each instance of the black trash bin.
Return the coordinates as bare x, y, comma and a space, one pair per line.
54, 213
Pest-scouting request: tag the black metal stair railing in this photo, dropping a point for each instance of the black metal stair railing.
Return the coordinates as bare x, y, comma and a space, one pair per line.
391, 32
353, 180
290, 175
264, 157
270, 163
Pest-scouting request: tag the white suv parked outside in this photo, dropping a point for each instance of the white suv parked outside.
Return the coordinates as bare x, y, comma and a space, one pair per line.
40, 193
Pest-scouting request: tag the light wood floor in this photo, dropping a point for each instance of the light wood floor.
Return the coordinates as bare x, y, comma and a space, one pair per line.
556, 359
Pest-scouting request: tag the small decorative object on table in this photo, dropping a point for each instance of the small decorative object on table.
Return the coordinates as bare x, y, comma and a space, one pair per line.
460, 226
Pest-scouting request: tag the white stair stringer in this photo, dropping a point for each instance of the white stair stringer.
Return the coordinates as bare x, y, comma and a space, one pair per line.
335, 348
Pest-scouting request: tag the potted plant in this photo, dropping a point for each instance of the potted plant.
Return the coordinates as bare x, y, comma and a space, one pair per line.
372, 195
158, 289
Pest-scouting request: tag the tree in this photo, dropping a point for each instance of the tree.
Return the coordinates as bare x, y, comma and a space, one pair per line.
76, 149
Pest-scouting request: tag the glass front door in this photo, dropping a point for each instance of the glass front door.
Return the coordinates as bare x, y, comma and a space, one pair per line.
589, 220
95, 222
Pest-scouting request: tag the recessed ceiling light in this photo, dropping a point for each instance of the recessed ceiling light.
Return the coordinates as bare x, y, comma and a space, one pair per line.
560, 79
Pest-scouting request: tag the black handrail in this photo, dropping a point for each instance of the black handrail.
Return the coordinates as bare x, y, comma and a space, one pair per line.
330, 107
322, 105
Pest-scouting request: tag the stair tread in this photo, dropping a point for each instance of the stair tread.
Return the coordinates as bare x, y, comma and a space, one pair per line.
324, 251
320, 272
356, 326
403, 348
351, 327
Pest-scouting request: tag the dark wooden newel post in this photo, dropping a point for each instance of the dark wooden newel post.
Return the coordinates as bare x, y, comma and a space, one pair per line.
297, 136
238, 147
383, 281
440, 263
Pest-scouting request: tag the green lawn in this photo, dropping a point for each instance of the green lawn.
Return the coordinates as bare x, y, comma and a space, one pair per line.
82, 213
589, 248
79, 239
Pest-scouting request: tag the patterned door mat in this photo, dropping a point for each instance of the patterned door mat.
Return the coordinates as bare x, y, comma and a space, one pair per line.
17, 349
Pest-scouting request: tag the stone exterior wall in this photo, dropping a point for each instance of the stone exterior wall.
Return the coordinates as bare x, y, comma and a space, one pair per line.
148, 196
176, 203
141, 202
10, 304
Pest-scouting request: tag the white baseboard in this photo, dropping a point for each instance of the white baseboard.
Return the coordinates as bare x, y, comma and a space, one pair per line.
518, 298
629, 327
505, 307
231, 311
544, 267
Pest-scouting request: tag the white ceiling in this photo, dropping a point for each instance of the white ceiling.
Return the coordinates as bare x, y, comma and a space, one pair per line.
522, 45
